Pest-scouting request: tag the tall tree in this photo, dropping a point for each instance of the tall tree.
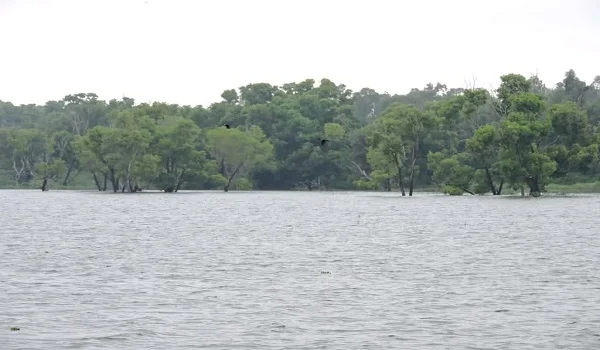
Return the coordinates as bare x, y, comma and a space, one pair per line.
238, 151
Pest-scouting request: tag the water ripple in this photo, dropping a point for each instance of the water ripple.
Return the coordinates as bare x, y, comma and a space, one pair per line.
281, 270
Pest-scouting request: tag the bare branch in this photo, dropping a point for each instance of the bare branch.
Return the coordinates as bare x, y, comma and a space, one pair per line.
471, 85
361, 170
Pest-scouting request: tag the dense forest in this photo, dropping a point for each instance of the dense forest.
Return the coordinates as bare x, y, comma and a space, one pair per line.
520, 137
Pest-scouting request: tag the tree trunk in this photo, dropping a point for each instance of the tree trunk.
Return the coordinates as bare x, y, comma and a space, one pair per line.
500, 187
534, 186
230, 178
469, 192
362, 172
415, 155
104, 185
114, 181
127, 184
490, 182
411, 181
45, 185
96, 181
18, 172
401, 182
179, 181
400, 177
69, 170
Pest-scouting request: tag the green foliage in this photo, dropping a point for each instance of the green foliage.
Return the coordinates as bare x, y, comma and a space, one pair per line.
452, 190
178, 155
523, 134
49, 170
481, 183
243, 184
238, 152
523, 160
511, 85
395, 139
451, 173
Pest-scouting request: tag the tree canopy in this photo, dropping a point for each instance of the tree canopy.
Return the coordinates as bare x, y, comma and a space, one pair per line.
522, 135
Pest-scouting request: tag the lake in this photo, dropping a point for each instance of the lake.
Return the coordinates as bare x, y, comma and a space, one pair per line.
298, 270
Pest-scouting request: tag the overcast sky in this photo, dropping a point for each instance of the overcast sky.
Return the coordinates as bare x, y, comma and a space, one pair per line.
189, 51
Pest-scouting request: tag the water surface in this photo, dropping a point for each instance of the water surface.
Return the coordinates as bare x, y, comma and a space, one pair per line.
298, 270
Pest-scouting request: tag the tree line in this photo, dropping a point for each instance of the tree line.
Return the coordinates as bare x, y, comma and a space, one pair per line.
522, 135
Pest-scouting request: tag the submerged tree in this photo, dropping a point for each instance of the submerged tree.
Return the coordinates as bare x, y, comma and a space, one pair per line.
237, 151
398, 134
522, 136
179, 154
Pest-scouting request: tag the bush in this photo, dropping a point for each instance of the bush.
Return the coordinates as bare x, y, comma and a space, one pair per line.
452, 190
243, 184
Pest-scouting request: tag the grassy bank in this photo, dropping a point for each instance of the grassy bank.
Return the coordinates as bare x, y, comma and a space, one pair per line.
574, 183
581, 187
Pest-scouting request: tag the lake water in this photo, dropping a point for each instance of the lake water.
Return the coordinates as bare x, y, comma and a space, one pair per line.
298, 270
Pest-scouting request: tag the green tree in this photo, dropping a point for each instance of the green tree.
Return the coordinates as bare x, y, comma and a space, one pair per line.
399, 133
453, 176
377, 140
522, 133
180, 156
25, 148
484, 148
237, 151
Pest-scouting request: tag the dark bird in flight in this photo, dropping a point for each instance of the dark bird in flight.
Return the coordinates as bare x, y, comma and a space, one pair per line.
226, 125
323, 142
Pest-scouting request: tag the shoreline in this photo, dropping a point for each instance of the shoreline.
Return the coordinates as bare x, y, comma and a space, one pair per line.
552, 190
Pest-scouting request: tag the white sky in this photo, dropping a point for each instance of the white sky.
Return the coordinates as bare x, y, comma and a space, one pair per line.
189, 51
